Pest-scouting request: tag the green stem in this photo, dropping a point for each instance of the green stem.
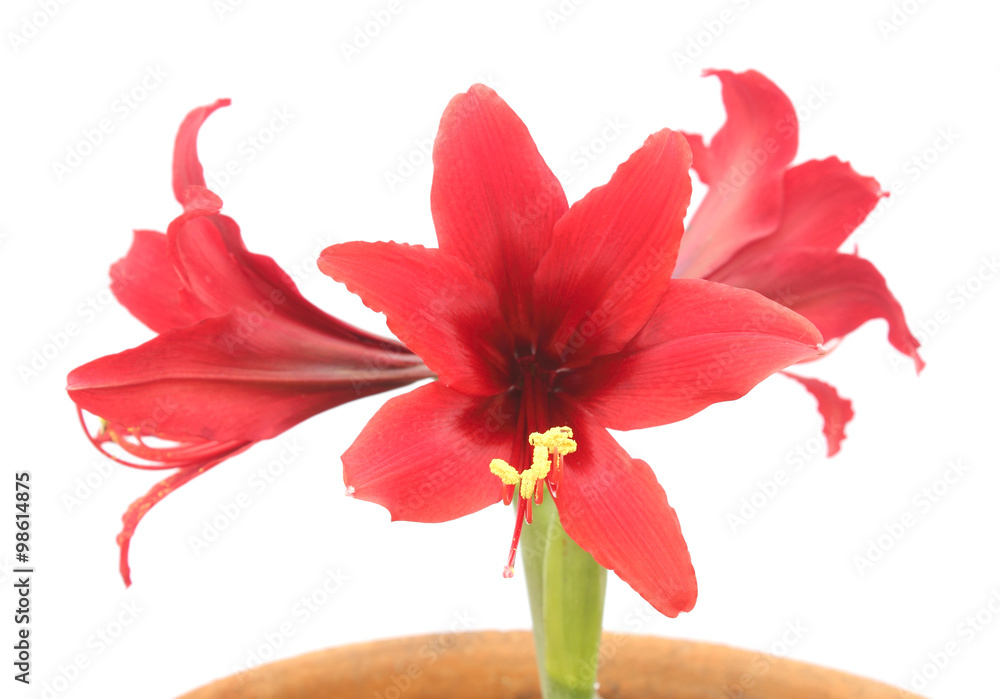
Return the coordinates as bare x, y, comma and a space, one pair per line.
566, 590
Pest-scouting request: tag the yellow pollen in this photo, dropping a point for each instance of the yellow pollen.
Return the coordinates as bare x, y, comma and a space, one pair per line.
540, 462
504, 471
528, 480
556, 440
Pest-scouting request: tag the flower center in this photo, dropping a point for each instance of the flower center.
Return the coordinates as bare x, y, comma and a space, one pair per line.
548, 450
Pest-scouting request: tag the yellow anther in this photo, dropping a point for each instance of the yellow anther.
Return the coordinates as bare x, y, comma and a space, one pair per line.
556, 440
504, 471
528, 480
540, 462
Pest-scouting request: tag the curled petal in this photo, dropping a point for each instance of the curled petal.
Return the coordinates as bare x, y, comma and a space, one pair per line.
187, 167
837, 292
146, 283
220, 275
835, 410
743, 168
138, 509
825, 200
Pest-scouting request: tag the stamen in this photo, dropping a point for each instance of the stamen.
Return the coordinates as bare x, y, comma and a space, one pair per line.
556, 440
508, 476
508, 570
192, 456
548, 451
555, 477
504, 471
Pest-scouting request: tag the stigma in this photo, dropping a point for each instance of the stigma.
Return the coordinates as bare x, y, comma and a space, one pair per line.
548, 450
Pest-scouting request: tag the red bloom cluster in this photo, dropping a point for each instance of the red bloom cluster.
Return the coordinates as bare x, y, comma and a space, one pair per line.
240, 355
777, 229
545, 324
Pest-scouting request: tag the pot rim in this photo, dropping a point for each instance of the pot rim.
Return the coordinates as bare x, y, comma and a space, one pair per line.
489, 664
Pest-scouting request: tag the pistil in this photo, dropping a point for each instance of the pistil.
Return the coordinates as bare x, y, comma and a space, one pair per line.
548, 450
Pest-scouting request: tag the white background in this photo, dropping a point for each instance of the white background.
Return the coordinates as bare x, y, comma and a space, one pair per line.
323, 180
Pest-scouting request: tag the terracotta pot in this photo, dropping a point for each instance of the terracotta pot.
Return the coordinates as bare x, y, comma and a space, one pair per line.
495, 664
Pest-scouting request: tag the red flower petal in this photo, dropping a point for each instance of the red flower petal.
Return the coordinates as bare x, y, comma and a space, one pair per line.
146, 283
835, 410
435, 304
705, 343
612, 254
743, 167
613, 507
425, 455
220, 274
138, 509
825, 200
494, 199
187, 167
837, 292
242, 376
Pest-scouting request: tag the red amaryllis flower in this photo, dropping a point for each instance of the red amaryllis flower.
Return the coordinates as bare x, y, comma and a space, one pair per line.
240, 357
776, 229
535, 315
